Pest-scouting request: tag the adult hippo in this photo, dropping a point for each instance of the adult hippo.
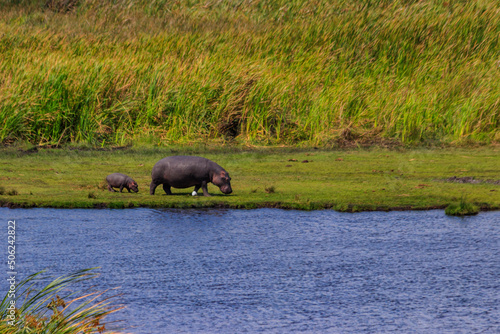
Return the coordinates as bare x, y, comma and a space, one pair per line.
187, 171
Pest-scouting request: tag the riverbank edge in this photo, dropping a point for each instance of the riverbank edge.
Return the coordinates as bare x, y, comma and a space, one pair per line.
351, 208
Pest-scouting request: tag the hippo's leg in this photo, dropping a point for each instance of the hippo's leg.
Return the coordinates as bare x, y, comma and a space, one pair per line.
204, 188
152, 187
121, 188
110, 188
166, 187
197, 187
127, 188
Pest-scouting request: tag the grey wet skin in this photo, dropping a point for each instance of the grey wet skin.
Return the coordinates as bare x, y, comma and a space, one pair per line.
118, 180
189, 171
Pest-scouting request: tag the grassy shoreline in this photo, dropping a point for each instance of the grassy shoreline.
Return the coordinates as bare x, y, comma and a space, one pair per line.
343, 180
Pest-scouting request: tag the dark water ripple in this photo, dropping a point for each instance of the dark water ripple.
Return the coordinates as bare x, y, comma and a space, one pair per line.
275, 271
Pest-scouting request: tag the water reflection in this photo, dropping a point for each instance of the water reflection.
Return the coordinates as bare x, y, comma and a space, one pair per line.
227, 271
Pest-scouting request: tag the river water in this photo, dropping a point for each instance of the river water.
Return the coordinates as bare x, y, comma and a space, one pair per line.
276, 271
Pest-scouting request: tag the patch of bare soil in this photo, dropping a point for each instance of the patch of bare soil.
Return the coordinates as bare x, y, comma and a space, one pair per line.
470, 179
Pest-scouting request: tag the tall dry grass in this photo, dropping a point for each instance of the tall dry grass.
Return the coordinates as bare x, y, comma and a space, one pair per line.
269, 72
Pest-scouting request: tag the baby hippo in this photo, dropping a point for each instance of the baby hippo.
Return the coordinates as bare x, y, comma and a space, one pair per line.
118, 180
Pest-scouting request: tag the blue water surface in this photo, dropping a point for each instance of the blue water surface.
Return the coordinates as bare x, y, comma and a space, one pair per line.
276, 271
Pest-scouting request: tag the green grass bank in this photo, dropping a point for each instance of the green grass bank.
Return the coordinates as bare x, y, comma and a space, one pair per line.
344, 180
263, 72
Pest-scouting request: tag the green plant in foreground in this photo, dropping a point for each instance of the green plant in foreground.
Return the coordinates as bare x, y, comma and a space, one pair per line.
463, 208
53, 308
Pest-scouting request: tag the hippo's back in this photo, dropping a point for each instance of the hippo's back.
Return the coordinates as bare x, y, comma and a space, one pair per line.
180, 167
180, 162
116, 176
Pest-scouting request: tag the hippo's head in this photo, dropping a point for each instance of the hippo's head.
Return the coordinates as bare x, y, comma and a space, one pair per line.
133, 186
223, 181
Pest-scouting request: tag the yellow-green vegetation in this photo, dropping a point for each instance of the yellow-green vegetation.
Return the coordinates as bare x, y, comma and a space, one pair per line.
350, 180
300, 72
53, 308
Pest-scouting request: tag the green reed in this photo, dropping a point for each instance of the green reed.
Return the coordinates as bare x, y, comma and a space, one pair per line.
256, 72
50, 307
